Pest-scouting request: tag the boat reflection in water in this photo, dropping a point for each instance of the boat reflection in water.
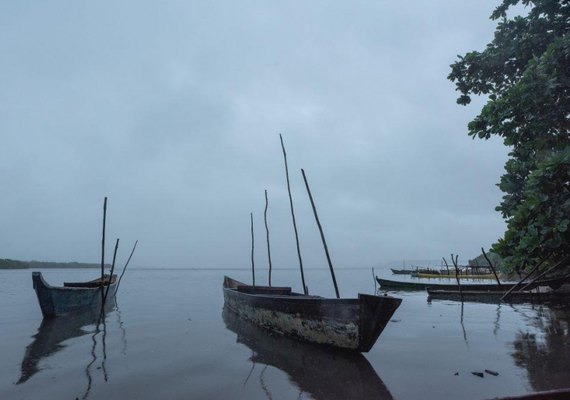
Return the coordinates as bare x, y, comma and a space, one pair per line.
52, 334
323, 373
543, 348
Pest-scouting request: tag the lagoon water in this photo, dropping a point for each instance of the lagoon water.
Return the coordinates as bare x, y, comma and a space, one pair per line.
169, 338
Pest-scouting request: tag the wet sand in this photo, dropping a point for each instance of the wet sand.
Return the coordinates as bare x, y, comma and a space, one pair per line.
170, 338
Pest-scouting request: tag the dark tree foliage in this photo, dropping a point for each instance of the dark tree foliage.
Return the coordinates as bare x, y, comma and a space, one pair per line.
525, 74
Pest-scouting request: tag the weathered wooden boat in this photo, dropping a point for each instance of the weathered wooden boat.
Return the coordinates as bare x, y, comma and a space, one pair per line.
485, 296
387, 284
314, 370
353, 324
72, 296
402, 271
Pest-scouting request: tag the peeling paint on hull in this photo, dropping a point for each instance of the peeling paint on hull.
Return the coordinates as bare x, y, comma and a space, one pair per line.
336, 333
352, 324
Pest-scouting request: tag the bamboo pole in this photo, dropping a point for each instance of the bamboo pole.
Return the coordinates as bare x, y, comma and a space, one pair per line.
456, 275
293, 216
267, 232
110, 276
546, 272
103, 251
125, 267
524, 278
252, 249
322, 234
492, 267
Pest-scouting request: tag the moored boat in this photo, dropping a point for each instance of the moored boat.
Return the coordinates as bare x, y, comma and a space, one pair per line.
353, 324
387, 284
452, 275
483, 296
73, 296
401, 271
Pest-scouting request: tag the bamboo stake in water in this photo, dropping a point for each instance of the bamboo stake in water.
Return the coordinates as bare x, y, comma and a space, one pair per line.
125, 268
492, 267
103, 250
293, 216
110, 276
322, 234
457, 274
252, 248
545, 272
267, 231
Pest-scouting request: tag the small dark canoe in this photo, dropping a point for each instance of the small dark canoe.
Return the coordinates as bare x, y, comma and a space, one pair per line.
73, 296
387, 284
402, 271
353, 324
481, 296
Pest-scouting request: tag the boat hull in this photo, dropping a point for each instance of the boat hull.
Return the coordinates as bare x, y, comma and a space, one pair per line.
388, 284
401, 271
352, 324
495, 297
57, 301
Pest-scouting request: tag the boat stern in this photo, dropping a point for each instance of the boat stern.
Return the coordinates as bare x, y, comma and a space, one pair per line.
375, 313
44, 296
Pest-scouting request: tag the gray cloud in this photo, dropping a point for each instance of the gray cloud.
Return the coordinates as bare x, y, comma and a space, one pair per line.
173, 110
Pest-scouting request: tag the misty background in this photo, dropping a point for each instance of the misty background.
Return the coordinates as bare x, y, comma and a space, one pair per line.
173, 110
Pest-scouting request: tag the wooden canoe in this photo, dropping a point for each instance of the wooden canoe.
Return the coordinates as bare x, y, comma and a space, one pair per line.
452, 276
73, 296
482, 296
402, 271
387, 284
353, 324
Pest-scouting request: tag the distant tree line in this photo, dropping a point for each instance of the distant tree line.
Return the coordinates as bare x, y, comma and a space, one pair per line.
480, 260
15, 264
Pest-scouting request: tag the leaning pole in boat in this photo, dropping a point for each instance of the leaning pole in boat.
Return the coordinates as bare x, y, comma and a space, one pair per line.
293, 216
322, 234
267, 232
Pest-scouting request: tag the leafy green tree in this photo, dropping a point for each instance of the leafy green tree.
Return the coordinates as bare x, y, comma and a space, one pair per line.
525, 75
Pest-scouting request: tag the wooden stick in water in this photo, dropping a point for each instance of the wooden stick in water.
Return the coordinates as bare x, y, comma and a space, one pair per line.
103, 250
524, 278
110, 276
456, 276
125, 268
293, 216
267, 231
322, 234
252, 248
492, 267
546, 272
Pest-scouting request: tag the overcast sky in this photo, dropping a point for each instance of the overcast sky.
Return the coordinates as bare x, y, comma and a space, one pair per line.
173, 110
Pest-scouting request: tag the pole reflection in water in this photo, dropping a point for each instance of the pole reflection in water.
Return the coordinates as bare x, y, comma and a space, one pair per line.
54, 332
323, 373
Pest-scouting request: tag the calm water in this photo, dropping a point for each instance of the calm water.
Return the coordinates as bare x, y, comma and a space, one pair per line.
169, 339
